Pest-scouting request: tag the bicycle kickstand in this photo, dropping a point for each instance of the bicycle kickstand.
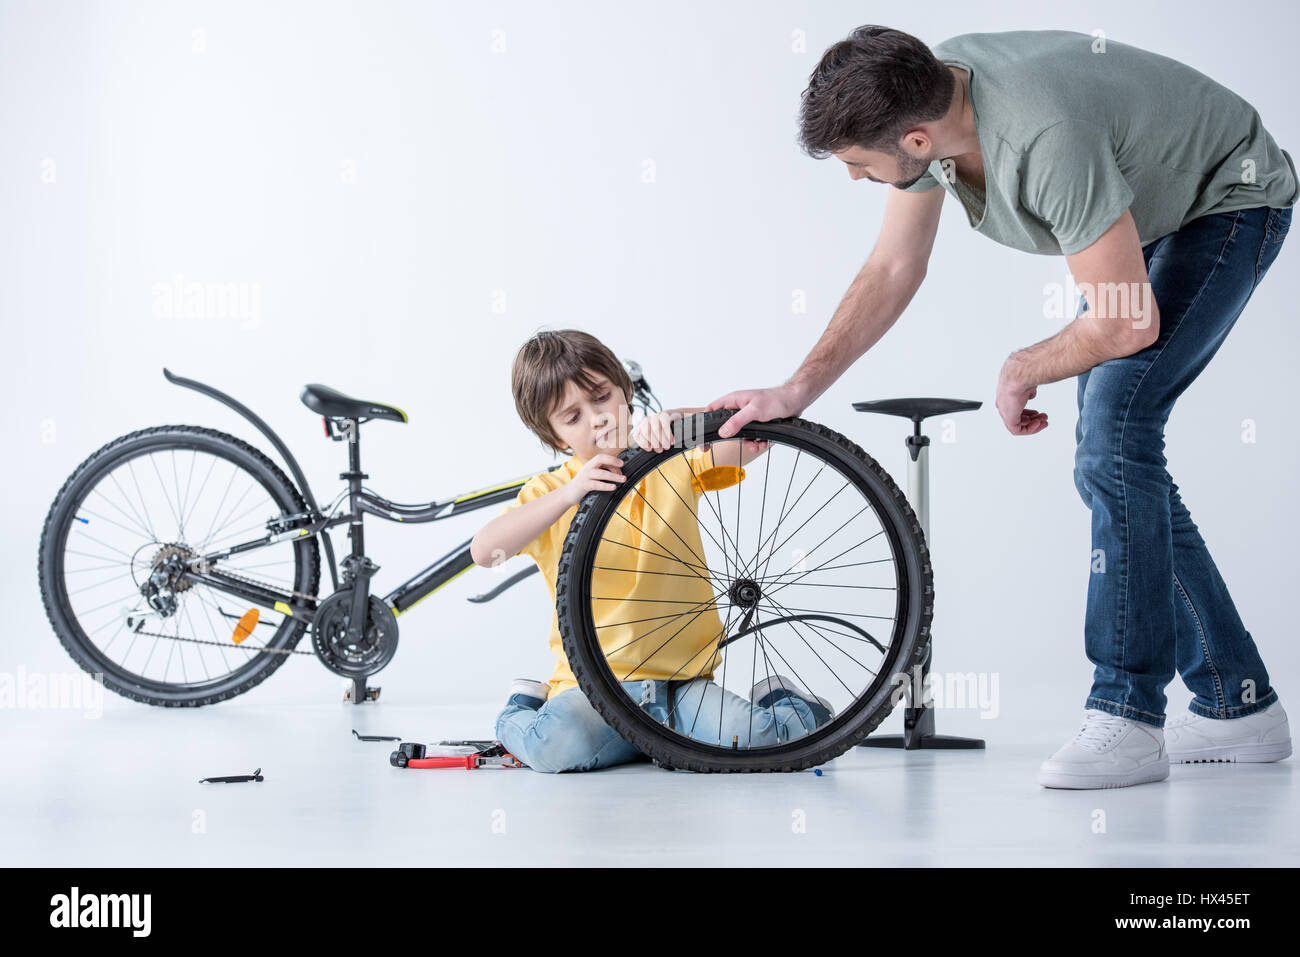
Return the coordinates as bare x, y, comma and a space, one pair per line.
358, 691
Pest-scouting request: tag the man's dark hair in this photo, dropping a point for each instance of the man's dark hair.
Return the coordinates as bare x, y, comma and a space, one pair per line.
869, 89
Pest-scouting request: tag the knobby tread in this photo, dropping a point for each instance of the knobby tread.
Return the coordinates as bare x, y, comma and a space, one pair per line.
54, 611
654, 746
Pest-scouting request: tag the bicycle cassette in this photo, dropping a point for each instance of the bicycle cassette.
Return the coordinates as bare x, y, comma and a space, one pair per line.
329, 636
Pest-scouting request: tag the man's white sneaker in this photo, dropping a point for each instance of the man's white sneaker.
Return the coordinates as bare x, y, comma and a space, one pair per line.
1263, 735
1108, 752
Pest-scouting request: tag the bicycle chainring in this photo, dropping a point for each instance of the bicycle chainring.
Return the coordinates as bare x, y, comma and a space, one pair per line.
358, 659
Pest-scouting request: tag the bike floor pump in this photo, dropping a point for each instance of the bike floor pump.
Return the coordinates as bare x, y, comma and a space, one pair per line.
918, 722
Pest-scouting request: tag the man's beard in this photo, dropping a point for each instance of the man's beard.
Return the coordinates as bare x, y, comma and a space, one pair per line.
911, 168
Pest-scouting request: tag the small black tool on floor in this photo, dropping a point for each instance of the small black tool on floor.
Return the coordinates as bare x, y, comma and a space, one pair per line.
234, 778
376, 737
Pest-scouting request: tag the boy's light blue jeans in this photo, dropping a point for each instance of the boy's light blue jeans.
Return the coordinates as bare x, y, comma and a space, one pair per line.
1155, 598
568, 734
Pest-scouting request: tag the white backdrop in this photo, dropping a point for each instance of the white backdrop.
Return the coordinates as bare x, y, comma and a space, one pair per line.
408, 190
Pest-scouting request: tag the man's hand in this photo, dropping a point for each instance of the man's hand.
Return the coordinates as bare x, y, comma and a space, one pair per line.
600, 473
1013, 392
758, 405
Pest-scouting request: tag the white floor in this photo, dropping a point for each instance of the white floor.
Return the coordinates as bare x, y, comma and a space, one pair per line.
122, 790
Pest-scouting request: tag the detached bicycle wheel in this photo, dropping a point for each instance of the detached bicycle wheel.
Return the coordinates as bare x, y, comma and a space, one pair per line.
778, 581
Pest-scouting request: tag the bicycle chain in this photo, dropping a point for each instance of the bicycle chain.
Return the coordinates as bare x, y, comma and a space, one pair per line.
248, 579
222, 644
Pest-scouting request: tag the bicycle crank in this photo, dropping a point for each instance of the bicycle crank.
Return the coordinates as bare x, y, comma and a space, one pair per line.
353, 658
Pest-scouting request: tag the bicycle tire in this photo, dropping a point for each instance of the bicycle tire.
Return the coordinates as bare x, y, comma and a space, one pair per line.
668, 749
54, 590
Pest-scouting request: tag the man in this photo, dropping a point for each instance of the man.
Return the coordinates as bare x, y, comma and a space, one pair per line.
1170, 201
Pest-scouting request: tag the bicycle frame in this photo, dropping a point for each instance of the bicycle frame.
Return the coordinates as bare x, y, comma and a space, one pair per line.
360, 502
402, 598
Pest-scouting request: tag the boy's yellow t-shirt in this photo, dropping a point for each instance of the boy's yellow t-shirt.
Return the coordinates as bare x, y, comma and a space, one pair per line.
654, 603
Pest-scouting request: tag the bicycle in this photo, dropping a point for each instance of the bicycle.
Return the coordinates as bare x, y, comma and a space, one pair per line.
204, 554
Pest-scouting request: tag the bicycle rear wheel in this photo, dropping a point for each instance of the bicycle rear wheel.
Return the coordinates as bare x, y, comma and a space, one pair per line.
151, 502
784, 600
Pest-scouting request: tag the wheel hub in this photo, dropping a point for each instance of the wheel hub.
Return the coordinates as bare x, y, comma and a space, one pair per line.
745, 592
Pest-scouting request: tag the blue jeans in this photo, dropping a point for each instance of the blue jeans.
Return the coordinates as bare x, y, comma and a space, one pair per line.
1155, 597
568, 734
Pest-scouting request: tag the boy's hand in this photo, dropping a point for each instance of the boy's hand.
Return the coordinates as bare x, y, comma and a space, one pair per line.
600, 473
735, 451
655, 432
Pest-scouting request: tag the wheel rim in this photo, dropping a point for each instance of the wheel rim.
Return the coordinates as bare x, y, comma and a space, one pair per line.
807, 522
128, 518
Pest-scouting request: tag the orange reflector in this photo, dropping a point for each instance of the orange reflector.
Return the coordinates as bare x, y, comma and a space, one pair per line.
246, 624
718, 477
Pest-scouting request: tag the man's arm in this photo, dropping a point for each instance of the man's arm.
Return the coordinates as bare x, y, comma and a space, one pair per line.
1122, 319
874, 301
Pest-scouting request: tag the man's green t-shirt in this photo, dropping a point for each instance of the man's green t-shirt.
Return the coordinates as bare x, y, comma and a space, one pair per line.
1075, 129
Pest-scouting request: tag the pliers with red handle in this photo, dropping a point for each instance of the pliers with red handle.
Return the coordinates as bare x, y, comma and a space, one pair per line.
491, 754
468, 761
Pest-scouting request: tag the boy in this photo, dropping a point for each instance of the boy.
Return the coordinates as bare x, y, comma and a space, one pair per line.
573, 393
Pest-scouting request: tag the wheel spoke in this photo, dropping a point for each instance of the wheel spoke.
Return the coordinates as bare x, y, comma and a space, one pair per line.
708, 577
99, 584
771, 553
708, 665
669, 526
207, 614
692, 508
163, 488
804, 574
665, 643
781, 610
217, 511
133, 519
143, 502
767, 666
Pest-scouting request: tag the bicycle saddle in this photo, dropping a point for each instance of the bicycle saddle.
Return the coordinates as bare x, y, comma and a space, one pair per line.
334, 404
917, 409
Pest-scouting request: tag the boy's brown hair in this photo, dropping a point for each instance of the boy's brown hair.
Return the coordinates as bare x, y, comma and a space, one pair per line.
547, 363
